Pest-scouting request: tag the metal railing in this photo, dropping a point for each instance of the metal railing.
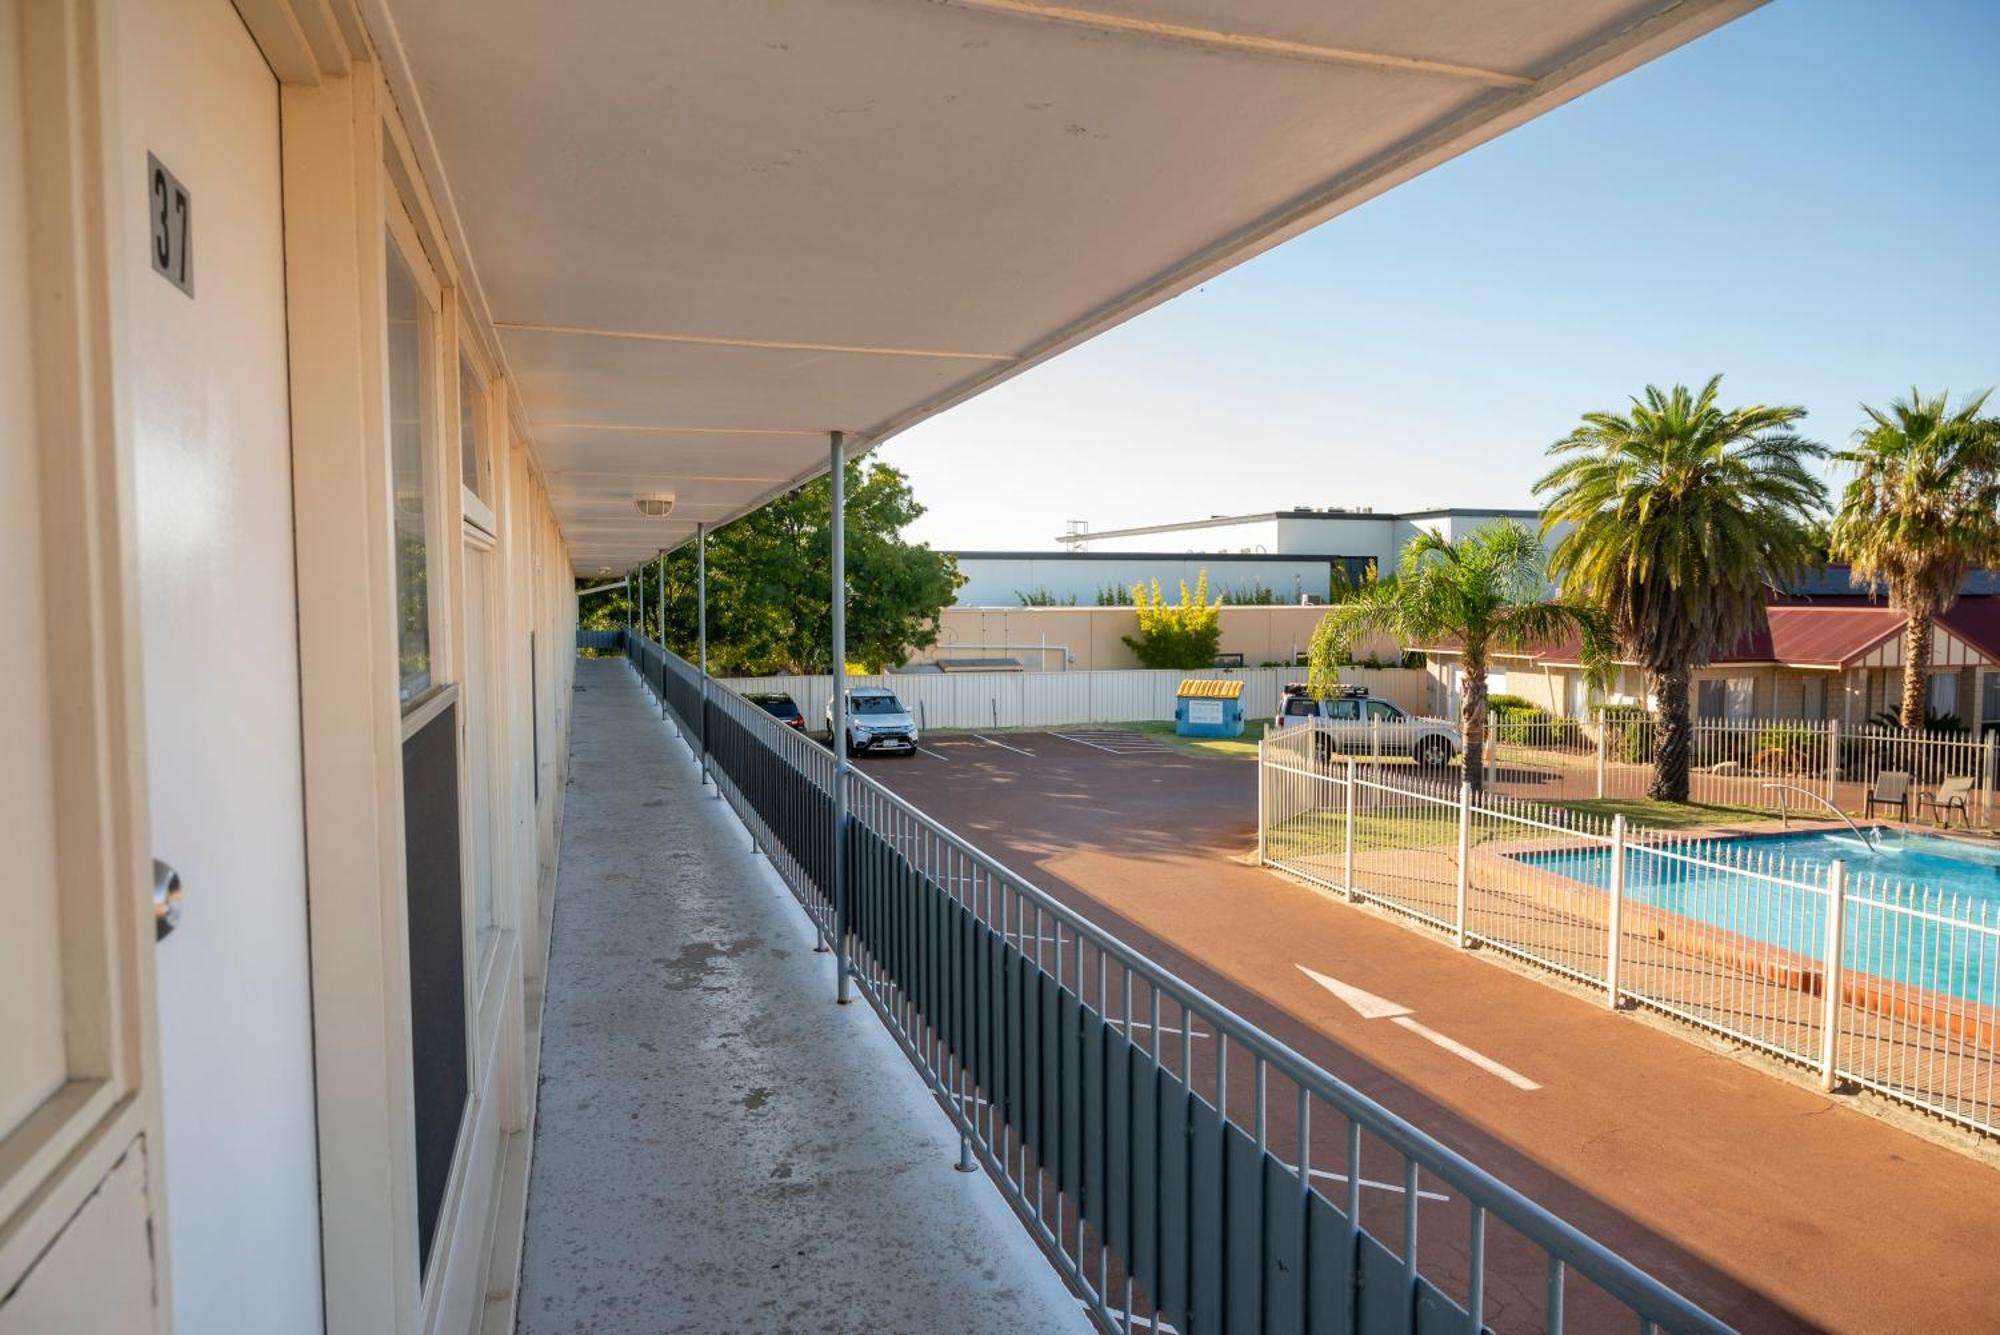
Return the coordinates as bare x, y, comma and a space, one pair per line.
1181, 1167
1842, 965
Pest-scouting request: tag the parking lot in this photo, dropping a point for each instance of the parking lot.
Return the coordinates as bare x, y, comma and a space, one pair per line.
1775, 1195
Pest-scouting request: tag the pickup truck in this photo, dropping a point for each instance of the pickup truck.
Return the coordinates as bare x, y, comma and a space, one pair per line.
1356, 723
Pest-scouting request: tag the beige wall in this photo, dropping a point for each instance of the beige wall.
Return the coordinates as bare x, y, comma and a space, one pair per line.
1092, 636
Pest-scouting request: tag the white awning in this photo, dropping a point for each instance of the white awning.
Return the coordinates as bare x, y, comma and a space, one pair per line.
710, 232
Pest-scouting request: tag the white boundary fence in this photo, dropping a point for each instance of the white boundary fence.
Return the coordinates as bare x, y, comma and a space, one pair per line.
975, 700
1848, 969
1780, 764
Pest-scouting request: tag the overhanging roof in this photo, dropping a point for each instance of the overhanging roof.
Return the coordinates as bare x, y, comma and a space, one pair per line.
710, 232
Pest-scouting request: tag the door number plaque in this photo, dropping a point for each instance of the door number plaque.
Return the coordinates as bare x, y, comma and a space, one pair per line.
167, 201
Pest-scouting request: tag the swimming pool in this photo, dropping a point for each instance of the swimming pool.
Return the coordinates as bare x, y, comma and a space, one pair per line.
1921, 908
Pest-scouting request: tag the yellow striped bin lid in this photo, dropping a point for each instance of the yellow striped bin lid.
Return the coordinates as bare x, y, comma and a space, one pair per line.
1209, 688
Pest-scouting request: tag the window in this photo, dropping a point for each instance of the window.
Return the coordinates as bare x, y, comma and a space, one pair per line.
1739, 697
1708, 698
472, 431
1299, 706
1346, 711
411, 446
1812, 697
1382, 709
1944, 693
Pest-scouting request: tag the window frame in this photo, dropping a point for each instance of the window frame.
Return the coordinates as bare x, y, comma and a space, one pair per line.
400, 232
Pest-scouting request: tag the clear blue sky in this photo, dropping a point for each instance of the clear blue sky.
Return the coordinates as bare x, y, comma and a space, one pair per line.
1806, 201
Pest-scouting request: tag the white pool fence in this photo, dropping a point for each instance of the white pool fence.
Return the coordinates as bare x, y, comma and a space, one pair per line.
1857, 970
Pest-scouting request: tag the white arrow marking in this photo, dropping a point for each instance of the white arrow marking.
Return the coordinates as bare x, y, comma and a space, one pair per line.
1458, 1049
1366, 1004
1371, 1007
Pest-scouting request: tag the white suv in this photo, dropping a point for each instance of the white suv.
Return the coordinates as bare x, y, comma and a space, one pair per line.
876, 721
1356, 723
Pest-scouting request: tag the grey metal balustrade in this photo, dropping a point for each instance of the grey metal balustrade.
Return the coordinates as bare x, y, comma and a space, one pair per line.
1184, 1169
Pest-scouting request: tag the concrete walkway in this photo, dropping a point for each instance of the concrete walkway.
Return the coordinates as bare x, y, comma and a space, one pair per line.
718, 1146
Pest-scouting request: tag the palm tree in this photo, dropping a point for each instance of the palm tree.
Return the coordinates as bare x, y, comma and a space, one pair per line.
1683, 515
1922, 510
1489, 591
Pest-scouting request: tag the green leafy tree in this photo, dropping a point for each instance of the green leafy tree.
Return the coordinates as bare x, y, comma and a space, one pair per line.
1489, 591
1922, 510
1183, 637
770, 579
1324, 655
1684, 515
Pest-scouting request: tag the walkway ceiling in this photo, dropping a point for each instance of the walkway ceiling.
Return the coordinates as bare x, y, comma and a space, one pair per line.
709, 232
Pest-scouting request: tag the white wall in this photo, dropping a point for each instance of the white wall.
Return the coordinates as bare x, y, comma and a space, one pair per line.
1341, 535
975, 700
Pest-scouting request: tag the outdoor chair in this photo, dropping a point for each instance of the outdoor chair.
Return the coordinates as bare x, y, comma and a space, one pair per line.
1951, 795
1892, 789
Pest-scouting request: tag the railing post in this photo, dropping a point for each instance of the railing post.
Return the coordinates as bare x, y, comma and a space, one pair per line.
1612, 948
1263, 807
1347, 856
701, 636
1464, 850
1375, 743
1986, 780
837, 485
1832, 760
1831, 981
1603, 743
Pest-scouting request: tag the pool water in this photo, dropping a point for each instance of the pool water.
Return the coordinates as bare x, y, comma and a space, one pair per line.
1948, 880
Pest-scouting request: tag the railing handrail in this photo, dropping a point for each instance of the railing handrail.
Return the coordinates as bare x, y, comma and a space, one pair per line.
1562, 1241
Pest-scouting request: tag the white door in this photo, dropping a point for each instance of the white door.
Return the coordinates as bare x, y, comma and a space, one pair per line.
78, 1128
206, 372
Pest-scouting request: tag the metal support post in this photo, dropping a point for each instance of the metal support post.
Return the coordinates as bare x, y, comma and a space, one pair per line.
701, 636
1263, 781
1986, 781
1617, 916
1464, 851
837, 485
1603, 742
1831, 981
1347, 854
663, 635
1832, 759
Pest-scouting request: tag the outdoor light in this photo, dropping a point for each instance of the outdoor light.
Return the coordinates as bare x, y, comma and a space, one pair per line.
654, 504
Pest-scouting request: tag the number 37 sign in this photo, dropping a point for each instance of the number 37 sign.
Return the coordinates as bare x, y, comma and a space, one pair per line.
167, 201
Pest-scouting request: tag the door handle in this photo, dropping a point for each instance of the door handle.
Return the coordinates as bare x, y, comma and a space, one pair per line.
166, 900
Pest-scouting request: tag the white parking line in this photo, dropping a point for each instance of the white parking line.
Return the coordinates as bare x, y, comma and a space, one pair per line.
1003, 746
1117, 743
1395, 1187
925, 750
1081, 742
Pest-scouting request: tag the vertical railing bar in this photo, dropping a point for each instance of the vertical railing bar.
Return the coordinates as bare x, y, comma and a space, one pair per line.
1475, 1269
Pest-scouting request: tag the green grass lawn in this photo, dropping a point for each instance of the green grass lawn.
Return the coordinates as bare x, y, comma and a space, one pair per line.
1659, 815
1436, 827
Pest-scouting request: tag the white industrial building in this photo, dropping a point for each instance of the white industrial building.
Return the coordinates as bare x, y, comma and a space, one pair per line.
1291, 553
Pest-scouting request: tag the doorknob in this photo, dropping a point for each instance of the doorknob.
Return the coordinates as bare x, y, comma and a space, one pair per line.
166, 900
